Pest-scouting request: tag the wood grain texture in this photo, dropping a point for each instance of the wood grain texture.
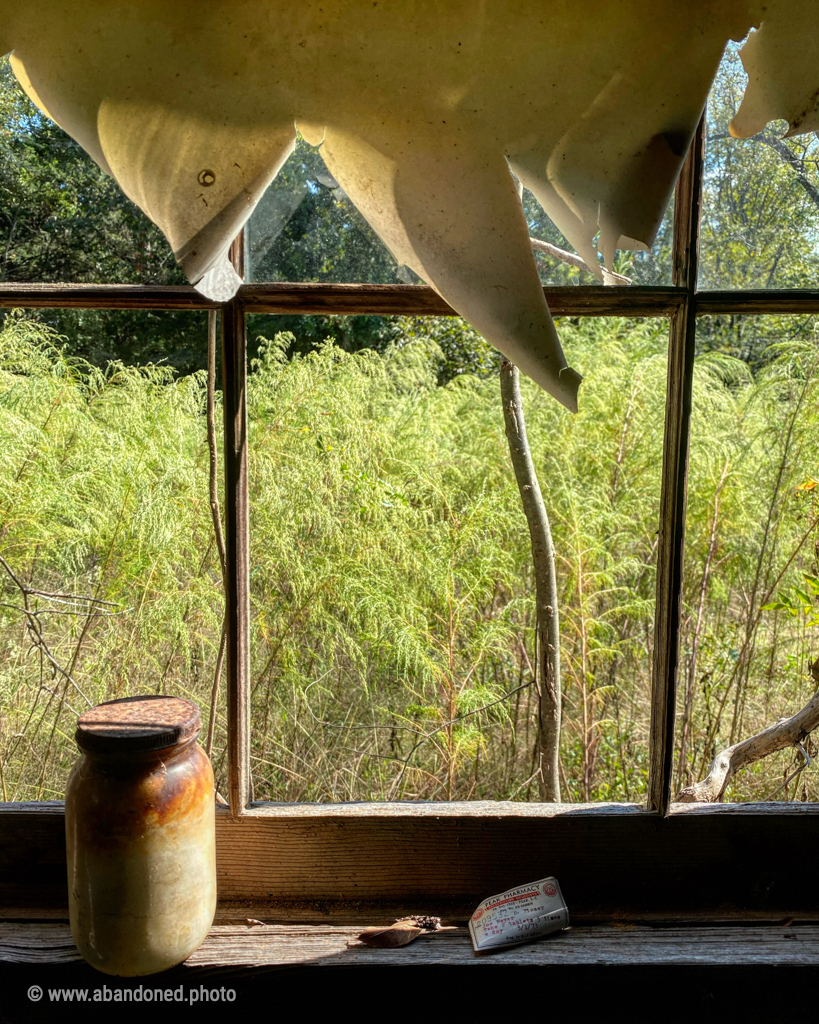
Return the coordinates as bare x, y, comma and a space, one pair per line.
338, 861
237, 550
102, 296
402, 300
330, 299
761, 301
609, 864
673, 493
241, 946
418, 300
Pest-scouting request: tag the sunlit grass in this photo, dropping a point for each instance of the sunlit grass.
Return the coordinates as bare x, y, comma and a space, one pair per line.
390, 570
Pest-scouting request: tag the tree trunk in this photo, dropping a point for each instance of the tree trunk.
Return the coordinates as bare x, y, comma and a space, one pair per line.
543, 557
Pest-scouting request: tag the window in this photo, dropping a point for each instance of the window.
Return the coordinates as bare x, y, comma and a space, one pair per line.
747, 645
295, 851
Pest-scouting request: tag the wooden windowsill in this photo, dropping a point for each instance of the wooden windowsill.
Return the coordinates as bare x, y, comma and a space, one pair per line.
618, 944
308, 862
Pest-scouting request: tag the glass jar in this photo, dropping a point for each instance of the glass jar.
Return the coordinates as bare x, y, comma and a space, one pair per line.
140, 836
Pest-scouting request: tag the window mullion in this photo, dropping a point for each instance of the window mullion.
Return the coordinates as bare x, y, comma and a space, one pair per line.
237, 582
688, 202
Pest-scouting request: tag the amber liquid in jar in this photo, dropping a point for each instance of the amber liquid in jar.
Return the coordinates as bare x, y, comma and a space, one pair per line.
140, 822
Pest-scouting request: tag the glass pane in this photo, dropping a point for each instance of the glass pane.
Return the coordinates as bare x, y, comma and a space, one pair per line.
641, 268
392, 587
751, 590
61, 217
137, 337
103, 496
760, 222
306, 229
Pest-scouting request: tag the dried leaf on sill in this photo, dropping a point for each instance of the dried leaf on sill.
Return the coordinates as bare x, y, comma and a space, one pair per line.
401, 933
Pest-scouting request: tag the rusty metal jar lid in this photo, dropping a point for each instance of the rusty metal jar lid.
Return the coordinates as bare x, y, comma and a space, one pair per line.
133, 724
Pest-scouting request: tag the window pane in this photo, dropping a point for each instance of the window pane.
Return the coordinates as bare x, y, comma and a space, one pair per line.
103, 495
392, 588
306, 229
751, 591
760, 223
61, 217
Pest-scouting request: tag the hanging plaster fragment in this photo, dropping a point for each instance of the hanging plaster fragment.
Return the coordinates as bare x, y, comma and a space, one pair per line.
423, 107
782, 61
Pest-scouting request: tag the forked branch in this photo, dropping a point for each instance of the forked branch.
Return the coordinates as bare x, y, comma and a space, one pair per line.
609, 276
787, 732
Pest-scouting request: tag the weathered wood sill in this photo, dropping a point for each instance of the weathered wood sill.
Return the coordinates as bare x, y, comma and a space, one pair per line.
241, 947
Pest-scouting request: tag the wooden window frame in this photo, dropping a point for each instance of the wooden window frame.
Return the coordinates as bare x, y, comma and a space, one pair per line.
308, 861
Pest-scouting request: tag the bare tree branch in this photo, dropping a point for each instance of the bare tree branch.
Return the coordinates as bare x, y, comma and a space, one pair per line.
34, 630
609, 277
793, 161
780, 147
787, 732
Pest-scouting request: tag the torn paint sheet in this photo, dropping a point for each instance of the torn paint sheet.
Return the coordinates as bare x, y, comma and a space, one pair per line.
421, 107
782, 61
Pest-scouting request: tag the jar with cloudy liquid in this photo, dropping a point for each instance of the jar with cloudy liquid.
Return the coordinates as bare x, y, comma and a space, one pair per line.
140, 820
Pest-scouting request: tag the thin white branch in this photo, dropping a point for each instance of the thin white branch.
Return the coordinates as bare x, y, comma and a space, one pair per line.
787, 732
609, 277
